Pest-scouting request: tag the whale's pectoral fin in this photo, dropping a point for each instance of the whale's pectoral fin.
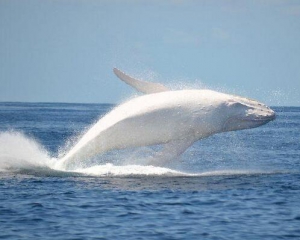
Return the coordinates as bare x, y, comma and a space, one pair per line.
170, 151
141, 86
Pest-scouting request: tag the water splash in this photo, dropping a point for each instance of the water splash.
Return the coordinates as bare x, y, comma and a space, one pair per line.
22, 154
18, 151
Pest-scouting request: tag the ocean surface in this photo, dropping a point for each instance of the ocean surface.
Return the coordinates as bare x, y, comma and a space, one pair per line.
237, 185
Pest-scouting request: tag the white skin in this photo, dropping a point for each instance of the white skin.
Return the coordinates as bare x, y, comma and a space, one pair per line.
174, 118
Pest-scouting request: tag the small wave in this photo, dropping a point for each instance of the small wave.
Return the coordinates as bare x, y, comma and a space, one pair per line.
138, 170
230, 173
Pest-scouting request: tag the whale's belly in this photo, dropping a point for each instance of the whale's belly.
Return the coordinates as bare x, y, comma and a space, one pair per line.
157, 127
148, 120
148, 129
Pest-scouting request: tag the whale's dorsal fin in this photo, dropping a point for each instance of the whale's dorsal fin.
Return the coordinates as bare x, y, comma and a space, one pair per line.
141, 86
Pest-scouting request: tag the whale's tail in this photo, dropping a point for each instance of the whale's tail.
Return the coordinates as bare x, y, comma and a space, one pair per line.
139, 85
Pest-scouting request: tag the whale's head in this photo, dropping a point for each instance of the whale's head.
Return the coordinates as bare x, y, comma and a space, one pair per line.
243, 113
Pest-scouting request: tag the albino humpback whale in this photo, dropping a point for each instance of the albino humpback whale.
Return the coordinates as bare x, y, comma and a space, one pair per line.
176, 119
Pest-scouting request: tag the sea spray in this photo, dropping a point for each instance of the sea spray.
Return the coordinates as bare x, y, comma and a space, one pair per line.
18, 151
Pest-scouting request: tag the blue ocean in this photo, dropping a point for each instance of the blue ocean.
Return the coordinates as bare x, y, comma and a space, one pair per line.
235, 185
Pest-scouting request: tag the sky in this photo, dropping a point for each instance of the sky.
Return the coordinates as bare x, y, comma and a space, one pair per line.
65, 50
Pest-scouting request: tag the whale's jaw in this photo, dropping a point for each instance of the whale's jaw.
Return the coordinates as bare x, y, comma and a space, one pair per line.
247, 113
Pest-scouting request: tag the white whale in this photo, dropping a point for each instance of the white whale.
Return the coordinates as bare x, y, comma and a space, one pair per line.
176, 119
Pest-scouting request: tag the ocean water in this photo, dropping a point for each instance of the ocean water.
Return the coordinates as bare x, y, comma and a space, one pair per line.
237, 185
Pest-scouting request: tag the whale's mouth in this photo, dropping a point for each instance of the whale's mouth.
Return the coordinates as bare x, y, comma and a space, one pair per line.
238, 123
255, 121
260, 119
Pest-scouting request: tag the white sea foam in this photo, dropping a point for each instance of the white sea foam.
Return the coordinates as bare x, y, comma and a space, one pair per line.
128, 170
137, 170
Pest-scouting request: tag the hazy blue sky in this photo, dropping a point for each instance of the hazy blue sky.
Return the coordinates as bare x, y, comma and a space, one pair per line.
64, 50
